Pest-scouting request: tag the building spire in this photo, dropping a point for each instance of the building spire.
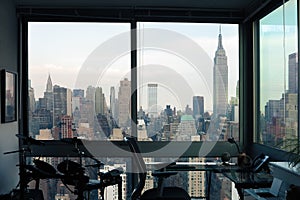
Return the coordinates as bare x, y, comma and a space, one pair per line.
220, 45
49, 84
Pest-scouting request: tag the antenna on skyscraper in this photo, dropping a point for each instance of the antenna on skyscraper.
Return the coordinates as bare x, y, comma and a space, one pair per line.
220, 46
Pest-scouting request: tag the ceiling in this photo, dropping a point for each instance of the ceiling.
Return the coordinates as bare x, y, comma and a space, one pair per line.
227, 11
194, 4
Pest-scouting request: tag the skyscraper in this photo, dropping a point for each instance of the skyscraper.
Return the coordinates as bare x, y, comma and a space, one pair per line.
77, 98
60, 103
152, 99
112, 102
49, 85
87, 112
293, 73
88, 107
220, 80
90, 93
69, 102
196, 179
124, 103
48, 94
198, 106
66, 127
76, 103
99, 101
31, 98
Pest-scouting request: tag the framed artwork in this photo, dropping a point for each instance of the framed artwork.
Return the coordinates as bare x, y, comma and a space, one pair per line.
8, 96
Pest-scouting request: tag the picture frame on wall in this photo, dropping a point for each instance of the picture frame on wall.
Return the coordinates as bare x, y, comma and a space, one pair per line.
8, 96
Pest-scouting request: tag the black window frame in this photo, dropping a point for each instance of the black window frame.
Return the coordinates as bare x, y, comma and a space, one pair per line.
252, 146
113, 15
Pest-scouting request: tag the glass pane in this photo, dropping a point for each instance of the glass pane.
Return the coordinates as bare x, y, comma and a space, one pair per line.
278, 76
79, 79
188, 81
76, 171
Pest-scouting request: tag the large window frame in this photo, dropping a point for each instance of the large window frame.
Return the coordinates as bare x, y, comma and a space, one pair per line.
247, 68
253, 145
192, 151
248, 35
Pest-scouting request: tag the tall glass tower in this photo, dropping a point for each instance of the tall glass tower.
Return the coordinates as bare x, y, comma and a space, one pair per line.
293, 73
198, 106
124, 103
220, 80
152, 99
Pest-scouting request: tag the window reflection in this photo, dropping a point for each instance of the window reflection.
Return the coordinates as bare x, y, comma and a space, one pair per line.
279, 76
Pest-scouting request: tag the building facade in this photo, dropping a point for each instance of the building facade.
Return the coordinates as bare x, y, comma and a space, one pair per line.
220, 80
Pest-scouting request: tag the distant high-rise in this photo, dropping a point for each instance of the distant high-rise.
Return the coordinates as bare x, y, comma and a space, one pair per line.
124, 103
198, 106
87, 112
273, 109
90, 93
196, 179
99, 101
152, 99
49, 87
112, 102
66, 127
76, 103
48, 95
220, 80
77, 98
293, 73
60, 103
31, 98
69, 102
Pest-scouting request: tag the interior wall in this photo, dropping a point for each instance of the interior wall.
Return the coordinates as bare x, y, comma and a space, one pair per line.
8, 60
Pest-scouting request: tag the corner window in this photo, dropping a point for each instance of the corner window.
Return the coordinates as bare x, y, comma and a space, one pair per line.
278, 76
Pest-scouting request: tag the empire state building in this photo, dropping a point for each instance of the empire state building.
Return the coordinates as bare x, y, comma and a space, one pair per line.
220, 80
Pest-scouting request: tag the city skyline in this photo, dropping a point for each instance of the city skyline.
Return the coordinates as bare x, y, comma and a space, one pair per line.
64, 75
85, 113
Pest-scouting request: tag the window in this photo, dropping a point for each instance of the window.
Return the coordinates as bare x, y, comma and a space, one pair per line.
188, 81
278, 73
80, 83
79, 79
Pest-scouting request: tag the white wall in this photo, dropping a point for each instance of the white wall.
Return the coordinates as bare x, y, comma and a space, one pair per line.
8, 60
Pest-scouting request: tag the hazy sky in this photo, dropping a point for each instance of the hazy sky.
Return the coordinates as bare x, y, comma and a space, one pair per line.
64, 51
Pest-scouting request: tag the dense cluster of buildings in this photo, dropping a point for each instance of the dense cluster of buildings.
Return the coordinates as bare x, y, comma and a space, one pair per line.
279, 120
66, 113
